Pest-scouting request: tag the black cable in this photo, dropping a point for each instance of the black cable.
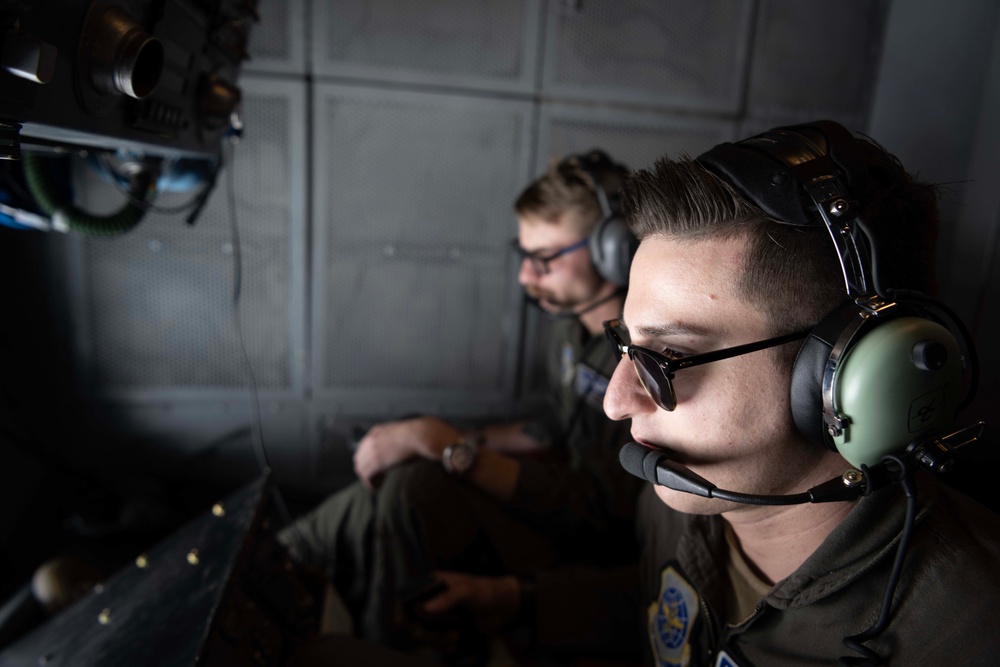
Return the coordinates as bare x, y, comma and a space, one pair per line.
869, 658
196, 200
573, 314
256, 436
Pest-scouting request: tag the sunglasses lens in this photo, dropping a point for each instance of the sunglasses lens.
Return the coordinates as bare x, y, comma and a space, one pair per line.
654, 380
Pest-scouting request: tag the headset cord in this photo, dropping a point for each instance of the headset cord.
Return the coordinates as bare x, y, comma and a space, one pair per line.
572, 314
869, 658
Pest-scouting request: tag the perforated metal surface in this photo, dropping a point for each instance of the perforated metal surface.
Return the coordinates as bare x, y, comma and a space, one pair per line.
670, 52
636, 140
413, 302
415, 284
462, 42
816, 58
277, 41
159, 299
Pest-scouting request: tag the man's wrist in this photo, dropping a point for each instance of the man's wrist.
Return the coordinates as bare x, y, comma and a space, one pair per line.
460, 458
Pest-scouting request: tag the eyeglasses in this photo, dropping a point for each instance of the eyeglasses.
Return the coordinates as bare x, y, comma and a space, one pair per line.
540, 263
656, 371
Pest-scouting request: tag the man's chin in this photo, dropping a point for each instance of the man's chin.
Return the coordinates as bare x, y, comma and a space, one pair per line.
554, 307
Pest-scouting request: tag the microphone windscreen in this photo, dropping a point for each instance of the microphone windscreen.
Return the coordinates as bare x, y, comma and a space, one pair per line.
633, 458
655, 466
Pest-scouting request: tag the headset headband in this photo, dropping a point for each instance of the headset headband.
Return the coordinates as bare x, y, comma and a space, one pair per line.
792, 173
597, 165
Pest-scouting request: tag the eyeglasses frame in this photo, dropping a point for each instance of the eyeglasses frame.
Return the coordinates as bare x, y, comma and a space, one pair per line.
671, 366
540, 263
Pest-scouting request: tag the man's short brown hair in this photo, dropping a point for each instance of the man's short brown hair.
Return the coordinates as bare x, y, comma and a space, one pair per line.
564, 187
791, 271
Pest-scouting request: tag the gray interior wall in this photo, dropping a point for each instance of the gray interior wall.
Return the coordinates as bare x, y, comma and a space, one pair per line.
936, 105
385, 142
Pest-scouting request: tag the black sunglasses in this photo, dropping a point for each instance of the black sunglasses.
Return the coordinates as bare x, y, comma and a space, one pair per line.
656, 372
540, 263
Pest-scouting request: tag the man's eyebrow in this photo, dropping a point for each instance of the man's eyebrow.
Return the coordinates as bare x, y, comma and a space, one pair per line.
673, 329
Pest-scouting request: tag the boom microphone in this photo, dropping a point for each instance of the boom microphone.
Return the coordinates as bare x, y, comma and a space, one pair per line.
654, 466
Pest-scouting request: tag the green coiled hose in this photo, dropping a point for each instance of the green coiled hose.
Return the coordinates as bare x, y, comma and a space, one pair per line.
52, 201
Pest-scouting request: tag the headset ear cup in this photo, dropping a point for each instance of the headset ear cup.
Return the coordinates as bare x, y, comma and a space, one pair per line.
902, 379
891, 379
612, 246
808, 372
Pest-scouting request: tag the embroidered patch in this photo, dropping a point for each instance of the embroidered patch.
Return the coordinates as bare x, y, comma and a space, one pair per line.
591, 385
723, 659
671, 617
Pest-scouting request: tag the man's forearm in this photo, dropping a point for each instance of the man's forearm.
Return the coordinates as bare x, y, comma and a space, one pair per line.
495, 473
514, 438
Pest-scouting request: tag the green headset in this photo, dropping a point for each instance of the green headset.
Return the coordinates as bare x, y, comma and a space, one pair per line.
886, 367
611, 244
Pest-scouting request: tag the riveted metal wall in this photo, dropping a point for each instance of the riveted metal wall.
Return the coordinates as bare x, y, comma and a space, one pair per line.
158, 308
673, 53
827, 50
634, 138
481, 44
385, 143
279, 41
414, 287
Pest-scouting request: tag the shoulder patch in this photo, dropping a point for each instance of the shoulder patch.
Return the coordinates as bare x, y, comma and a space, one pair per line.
590, 385
723, 659
671, 617
567, 363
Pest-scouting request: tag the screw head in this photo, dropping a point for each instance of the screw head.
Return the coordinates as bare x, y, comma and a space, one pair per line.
839, 207
853, 477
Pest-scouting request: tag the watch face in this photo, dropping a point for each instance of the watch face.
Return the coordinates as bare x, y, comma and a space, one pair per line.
462, 458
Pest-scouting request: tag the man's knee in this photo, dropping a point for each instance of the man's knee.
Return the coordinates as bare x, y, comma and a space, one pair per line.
314, 537
417, 484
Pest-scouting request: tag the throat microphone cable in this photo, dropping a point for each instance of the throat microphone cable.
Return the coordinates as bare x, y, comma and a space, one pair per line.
576, 313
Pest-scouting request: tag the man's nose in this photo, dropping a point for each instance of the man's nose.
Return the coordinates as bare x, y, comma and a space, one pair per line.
625, 396
527, 274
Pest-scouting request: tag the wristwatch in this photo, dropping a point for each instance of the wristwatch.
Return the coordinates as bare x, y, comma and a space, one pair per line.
459, 458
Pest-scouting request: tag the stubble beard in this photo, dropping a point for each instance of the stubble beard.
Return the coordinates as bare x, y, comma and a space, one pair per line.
547, 300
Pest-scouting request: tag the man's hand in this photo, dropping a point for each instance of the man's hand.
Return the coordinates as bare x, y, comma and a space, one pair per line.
387, 444
493, 601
